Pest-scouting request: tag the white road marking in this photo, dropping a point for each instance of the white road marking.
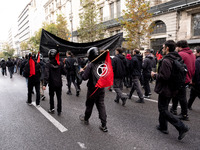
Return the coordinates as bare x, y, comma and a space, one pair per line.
148, 99
82, 145
51, 119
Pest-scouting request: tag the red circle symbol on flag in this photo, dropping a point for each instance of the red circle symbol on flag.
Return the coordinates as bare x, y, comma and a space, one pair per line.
102, 70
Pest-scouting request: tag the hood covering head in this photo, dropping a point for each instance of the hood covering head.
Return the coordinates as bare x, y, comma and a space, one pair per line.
53, 54
128, 56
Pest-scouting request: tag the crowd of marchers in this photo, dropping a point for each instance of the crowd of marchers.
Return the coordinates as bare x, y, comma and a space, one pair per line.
134, 70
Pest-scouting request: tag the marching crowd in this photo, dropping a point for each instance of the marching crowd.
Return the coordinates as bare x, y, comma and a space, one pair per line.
132, 70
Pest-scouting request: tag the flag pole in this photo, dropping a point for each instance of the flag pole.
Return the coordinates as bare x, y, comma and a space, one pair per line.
97, 58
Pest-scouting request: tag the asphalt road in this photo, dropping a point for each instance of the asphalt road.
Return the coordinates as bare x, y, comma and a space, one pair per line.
24, 127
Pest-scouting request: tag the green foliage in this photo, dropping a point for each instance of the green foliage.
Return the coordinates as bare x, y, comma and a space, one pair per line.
135, 22
8, 51
90, 27
59, 29
61, 25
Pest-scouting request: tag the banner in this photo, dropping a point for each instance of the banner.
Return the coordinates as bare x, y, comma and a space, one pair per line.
50, 41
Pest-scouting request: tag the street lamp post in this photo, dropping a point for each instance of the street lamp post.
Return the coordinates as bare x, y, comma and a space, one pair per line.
71, 20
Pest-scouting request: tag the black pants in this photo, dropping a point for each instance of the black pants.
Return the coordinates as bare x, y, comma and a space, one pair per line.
181, 98
70, 80
4, 72
165, 116
98, 99
58, 92
193, 95
11, 71
146, 84
37, 89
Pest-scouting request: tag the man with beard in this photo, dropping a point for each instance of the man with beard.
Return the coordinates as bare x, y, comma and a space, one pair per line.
162, 88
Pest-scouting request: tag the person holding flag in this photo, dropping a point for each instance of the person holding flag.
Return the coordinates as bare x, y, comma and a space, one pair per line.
33, 73
100, 74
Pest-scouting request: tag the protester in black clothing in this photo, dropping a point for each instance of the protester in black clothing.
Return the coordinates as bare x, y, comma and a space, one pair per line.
135, 68
3, 67
10, 66
23, 63
119, 70
166, 93
71, 72
32, 71
94, 96
128, 77
53, 77
42, 66
195, 88
146, 72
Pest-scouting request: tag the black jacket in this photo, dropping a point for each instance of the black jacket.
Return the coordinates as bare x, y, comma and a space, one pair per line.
119, 66
52, 74
42, 66
34, 78
90, 74
10, 63
70, 66
163, 76
196, 78
3, 64
136, 65
147, 65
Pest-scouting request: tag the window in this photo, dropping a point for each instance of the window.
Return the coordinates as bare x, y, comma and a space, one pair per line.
118, 8
111, 10
196, 25
157, 44
159, 27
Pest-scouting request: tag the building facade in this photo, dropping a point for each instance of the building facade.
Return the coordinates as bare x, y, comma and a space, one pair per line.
175, 20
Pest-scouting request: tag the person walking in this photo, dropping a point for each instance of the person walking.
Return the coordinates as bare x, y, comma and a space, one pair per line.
119, 69
53, 77
71, 72
189, 59
146, 72
10, 65
135, 68
32, 73
42, 66
94, 95
3, 67
195, 92
165, 94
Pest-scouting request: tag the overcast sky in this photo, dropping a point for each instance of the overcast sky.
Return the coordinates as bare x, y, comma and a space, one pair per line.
9, 12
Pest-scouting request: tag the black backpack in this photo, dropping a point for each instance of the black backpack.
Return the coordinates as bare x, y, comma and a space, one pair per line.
178, 74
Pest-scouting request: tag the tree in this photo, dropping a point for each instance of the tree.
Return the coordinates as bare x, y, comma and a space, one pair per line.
90, 27
61, 25
135, 22
8, 51
59, 29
